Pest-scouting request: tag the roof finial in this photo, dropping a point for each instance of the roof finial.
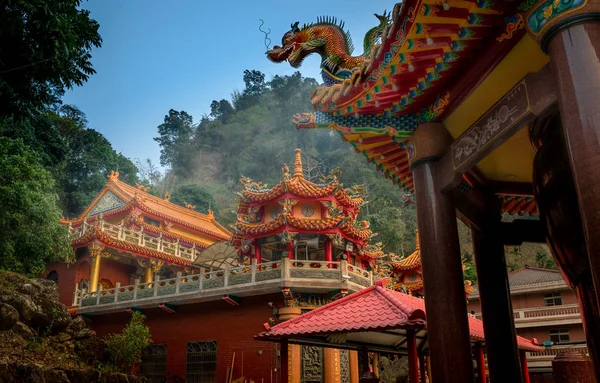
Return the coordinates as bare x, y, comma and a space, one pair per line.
114, 176
298, 165
417, 241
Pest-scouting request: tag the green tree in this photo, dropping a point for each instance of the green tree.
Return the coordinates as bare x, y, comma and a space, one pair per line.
44, 49
125, 349
30, 233
175, 134
194, 195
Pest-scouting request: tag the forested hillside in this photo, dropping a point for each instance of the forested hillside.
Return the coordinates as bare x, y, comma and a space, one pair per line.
252, 136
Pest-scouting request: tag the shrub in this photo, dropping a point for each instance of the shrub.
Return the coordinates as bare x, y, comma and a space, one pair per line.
124, 350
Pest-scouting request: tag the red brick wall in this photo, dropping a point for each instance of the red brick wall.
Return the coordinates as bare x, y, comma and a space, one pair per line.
233, 327
70, 275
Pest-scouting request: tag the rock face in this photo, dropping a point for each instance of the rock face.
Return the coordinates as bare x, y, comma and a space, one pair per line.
8, 316
35, 301
16, 373
40, 342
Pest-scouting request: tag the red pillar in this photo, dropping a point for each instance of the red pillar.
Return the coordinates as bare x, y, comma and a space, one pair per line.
574, 50
447, 321
328, 251
290, 249
257, 252
413, 358
496, 306
480, 362
524, 367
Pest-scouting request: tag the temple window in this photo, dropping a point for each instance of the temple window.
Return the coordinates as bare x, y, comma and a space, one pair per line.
154, 363
53, 276
553, 299
559, 335
309, 248
152, 222
201, 365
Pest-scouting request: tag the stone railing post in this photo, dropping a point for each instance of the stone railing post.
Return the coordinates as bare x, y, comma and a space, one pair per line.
141, 236
82, 296
156, 283
121, 228
98, 294
135, 289
226, 276
118, 286
285, 265
344, 268
253, 270
177, 252
159, 246
76, 294
178, 282
201, 279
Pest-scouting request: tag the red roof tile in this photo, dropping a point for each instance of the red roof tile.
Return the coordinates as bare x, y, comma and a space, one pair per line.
372, 309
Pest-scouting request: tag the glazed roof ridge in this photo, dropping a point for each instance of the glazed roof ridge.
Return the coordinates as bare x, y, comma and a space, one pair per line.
296, 184
133, 196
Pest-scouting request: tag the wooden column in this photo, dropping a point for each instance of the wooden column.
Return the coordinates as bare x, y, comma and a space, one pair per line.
480, 359
496, 306
284, 354
331, 361
290, 249
447, 321
524, 367
413, 358
295, 363
574, 48
353, 356
257, 252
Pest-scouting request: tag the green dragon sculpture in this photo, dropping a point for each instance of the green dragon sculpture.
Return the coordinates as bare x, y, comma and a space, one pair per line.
327, 38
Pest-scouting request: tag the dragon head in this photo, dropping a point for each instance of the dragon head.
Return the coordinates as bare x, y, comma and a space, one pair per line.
295, 47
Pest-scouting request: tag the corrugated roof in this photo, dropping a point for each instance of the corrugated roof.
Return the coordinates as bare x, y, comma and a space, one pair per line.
532, 276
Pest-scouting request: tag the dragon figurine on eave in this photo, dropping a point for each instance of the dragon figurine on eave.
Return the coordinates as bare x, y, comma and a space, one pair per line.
327, 38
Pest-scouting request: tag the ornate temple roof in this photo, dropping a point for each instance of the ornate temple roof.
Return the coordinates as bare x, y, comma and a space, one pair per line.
117, 197
342, 207
296, 185
430, 57
412, 262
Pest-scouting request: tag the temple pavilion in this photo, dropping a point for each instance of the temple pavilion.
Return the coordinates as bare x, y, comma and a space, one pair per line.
304, 221
486, 111
406, 274
126, 234
296, 246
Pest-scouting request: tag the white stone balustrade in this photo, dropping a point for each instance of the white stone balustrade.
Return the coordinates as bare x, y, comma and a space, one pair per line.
140, 238
242, 281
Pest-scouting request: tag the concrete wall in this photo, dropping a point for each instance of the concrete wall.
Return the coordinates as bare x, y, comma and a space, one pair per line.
543, 335
232, 327
523, 301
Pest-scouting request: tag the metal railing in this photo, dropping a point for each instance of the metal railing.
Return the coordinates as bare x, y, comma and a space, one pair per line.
248, 277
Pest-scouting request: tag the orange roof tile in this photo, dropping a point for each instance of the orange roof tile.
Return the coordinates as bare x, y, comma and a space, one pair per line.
162, 208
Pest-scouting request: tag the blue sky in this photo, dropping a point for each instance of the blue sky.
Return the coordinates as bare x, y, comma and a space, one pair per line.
182, 54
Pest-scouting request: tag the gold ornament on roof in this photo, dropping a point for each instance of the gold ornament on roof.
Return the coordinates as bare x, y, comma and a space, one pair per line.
167, 196
142, 187
189, 206
332, 177
114, 176
285, 171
